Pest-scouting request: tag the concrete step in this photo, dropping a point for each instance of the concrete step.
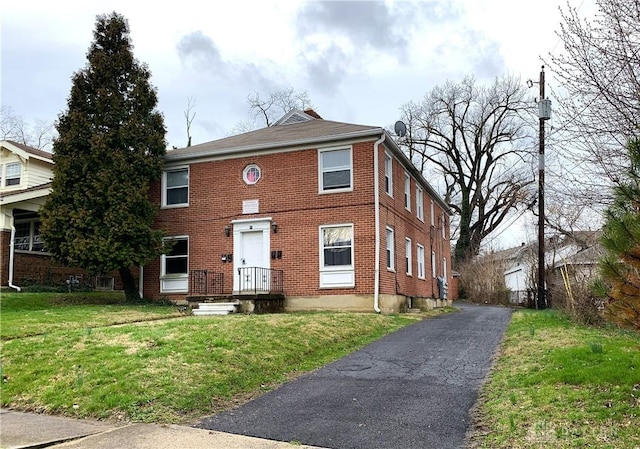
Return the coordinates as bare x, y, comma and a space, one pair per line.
215, 308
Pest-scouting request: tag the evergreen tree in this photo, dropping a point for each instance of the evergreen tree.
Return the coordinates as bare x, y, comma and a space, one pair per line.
620, 269
110, 148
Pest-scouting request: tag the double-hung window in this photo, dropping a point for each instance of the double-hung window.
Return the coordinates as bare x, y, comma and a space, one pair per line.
407, 255
420, 261
175, 191
336, 256
434, 268
335, 169
12, 174
27, 237
419, 204
407, 191
175, 265
388, 174
390, 249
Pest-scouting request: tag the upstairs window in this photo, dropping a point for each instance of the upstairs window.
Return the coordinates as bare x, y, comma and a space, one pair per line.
419, 204
175, 190
407, 191
388, 174
12, 175
335, 167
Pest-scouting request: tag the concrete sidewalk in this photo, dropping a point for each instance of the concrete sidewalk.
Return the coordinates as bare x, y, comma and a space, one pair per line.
27, 430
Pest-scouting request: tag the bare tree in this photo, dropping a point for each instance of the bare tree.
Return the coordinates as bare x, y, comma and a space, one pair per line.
189, 115
599, 105
477, 141
277, 104
38, 135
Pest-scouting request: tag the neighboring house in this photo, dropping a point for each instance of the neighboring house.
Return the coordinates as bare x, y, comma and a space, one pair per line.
579, 254
331, 215
578, 257
25, 183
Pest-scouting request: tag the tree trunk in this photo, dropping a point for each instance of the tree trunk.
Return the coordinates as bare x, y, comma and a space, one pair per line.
131, 293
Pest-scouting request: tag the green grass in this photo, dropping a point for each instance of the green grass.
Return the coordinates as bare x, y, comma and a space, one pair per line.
168, 371
28, 314
560, 385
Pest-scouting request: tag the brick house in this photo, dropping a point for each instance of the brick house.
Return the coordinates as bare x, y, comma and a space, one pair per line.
331, 215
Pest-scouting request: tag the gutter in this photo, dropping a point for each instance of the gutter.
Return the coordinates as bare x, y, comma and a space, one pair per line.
376, 202
11, 256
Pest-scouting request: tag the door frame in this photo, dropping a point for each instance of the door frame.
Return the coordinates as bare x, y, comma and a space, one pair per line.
240, 227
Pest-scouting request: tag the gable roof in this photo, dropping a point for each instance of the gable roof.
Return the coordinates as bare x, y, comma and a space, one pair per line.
294, 130
284, 135
26, 151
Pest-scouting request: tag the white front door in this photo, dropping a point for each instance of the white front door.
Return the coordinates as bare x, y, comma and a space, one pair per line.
251, 258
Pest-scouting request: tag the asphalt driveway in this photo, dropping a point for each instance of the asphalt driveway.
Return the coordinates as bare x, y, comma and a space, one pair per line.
411, 389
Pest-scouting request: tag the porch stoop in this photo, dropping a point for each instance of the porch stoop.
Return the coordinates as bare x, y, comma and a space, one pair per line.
216, 308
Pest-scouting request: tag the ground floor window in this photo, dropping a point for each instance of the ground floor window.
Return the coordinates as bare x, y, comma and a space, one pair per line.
336, 256
420, 261
175, 265
27, 237
390, 249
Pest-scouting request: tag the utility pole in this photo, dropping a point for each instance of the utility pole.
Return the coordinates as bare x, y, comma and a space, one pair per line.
544, 113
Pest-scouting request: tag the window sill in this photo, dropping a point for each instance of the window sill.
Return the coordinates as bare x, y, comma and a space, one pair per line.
327, 192
33, 253
174, 206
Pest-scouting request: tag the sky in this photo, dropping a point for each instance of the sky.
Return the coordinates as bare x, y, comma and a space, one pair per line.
359, 62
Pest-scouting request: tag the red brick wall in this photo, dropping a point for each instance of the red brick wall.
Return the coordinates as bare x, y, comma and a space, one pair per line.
288, 193
30, 268
406, 224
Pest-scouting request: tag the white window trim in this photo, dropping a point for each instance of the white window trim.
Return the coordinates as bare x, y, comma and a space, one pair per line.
388, 165
164, 187
390, 248
408, 258
346, 273
163, 257
433, 214
444, 268
407, 191
180, 280
420, 261
17, 176
246, 171
420, 203
434, 267
444, 224
321, 189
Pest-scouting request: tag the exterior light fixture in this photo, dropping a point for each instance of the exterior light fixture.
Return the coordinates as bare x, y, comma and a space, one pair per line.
274, 226
227, 230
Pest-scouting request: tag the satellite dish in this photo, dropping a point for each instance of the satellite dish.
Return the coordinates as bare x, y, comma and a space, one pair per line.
400, 128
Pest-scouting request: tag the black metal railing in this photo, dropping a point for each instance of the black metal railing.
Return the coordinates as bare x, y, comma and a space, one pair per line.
204, 282
260, 280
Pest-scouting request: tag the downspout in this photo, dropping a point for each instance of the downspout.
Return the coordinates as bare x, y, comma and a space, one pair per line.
376, 202
141, 282
11, 256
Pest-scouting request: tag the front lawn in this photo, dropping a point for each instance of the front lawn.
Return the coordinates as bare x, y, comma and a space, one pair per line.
27, 314
77, 363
